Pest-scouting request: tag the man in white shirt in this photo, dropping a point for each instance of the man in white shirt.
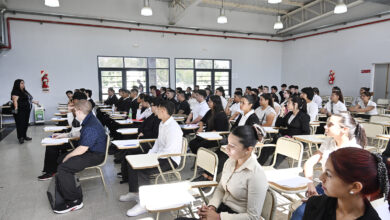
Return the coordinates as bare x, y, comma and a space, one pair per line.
169, 141
307, 93
317, 98
221, 93
234, 109
145, 103
199, 110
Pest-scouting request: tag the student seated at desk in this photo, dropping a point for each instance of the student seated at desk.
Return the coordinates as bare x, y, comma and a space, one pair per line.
335, 105
241, 191
266, 112
342, 131
200, 110
307, 94
90, 152
358, 99
171, 96
169, 141
220, 91
351, 177
134, 103
124, 103
183, 107
145, 104
214, 120
112, 99
53, 152
365, 105
248, 115
286, 96
69, 94
88, 92
233, 106
277, 107
317, 98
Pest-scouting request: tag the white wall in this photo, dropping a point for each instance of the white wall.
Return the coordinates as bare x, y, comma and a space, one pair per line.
307, 61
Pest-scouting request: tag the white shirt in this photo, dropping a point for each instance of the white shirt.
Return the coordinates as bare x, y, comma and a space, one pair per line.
277, 106
200, 110
318, 100
329, 145
144, 114
262, 114
224, 102
235, 108
370, 103
169, 140
312, 110
337, 108
245, 117
192, 103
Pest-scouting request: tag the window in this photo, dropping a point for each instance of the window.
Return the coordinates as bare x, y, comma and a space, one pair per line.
129, 72
203, 72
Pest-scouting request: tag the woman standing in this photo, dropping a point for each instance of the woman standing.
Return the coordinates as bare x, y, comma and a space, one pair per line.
22, 101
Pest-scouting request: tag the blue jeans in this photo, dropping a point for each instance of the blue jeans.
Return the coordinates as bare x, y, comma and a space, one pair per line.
298, 213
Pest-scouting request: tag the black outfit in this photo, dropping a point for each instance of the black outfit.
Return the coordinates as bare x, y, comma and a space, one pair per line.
111, 100
221, 208
324, 208
176, 103
253, 119
300, 125
185, 107
92, 102
24, 109
276, 98
281, 94
217, 123
124, 105
134, 105
93, 136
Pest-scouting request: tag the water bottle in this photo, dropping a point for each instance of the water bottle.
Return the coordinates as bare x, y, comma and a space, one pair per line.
113, 108
130, 115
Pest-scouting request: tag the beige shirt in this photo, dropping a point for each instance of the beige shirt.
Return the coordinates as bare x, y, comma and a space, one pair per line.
243, 190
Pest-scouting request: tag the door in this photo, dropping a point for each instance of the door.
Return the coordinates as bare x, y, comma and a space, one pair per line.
203, 78
110, 78
381, 81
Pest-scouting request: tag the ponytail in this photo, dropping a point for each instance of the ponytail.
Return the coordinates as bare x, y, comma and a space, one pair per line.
301, 103
360, 135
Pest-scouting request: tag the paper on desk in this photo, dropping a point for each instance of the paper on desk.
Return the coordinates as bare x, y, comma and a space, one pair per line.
118, 115
190, 126
165, 196
270, 130
54, 128
127, 130
126, 143
59, 119
209, 135
127, 121
178, 117
55, 141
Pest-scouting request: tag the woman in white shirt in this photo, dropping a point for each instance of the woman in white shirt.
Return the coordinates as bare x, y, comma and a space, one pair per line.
276, 104
221, 93
317, 98
341, 131
266, 112
365, 105
307, 94
241, 191
335, 105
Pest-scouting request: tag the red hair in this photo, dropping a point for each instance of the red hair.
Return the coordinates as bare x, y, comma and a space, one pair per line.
357, 165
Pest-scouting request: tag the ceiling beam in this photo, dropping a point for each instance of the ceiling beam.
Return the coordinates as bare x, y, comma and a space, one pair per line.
292, 3
177, 9
234, 5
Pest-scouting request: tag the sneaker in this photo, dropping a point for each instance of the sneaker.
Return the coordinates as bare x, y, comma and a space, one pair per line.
69, 206
21, 140
27, 138
136, 210
129, 197
46, 176
119, 175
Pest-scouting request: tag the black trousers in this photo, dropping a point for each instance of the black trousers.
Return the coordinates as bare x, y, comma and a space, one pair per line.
221, 208
21, 121
125, 164
139, 178
66, 171
199, 142
52, 153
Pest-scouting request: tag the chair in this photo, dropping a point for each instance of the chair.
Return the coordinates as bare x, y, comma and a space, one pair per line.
99, 167
287, 147
269, 206
372, 130
379, 118
348, 100
382, 102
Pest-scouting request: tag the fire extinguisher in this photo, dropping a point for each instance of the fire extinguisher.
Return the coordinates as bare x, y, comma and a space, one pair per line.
332, 77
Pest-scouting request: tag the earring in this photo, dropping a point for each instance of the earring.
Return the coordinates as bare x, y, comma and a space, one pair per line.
351, 192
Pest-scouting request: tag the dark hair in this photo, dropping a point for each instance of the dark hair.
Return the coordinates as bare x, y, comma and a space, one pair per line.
274, 87
183, 94
89, 92
217, 103
339, 94
365, 89
202, 92
142, 96
126, 91
111, 89
249, 88
283, 85
291, 87
288, 91
268, 97
147, 99
296, 87
238, 93
82, 90
134, 90
251, 99
353, 164
221, 90
69, 91
79, 96
367, 93
153, 87
336, 88
255, 91
239, 89
265, 87
274, 97
355, 129
121, 90
163, 89
260, 87
16, 87
247, 135
179, 89
301, 103
168, 105
316, 91
309, 92
208, 89
155, 101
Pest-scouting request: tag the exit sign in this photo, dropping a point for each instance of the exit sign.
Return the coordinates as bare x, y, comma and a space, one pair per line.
366, 71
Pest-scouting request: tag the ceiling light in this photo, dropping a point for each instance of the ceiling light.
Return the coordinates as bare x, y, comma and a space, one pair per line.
52, 3
222, 19
274, 1
278, 24
340, 8
146, 10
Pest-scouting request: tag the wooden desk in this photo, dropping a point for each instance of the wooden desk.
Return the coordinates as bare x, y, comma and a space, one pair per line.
210, 136
60, 114
124, 122
287, 180
189, 127
59, 119
310, 140
126, 144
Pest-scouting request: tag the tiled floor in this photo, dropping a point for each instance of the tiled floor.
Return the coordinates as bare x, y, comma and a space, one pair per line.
23, 197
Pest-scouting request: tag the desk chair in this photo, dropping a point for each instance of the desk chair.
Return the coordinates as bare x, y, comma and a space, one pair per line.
98, 167
379, 118
269, 206
372, 130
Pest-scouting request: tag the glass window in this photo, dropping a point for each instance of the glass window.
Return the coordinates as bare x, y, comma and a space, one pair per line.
162, 63
159, 77
136, 78
203, 64
134, 62
185, 63
114, 62
184, 78
221, 64
110, 79
222, 79
203, 78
